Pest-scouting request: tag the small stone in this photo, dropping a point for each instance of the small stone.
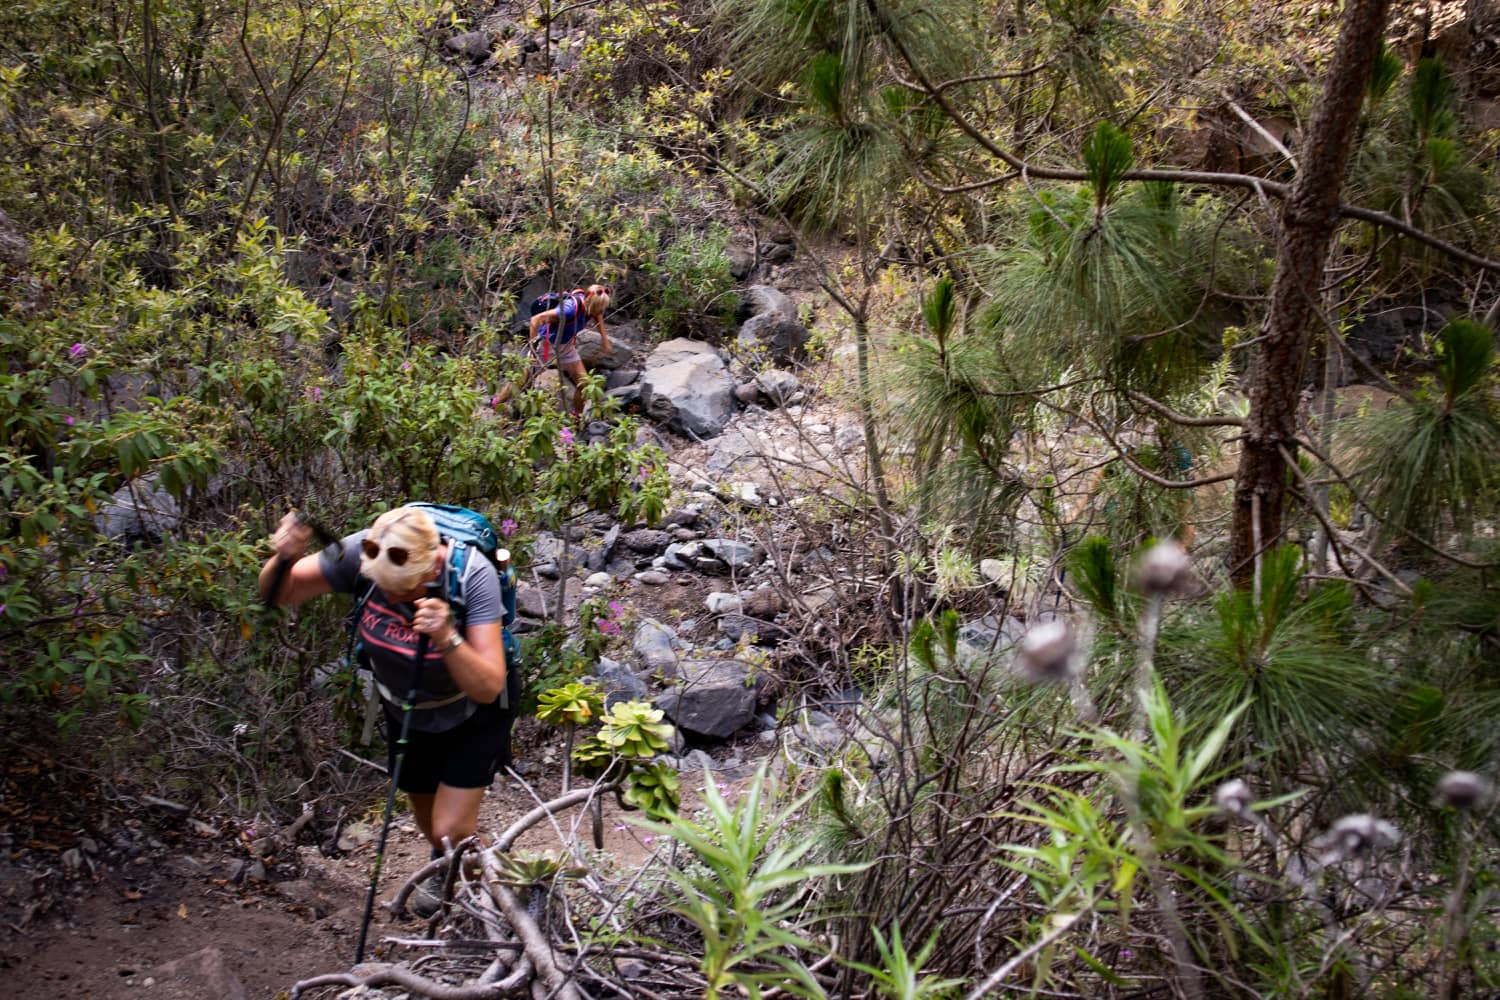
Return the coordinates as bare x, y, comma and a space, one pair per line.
599, 581
653, 577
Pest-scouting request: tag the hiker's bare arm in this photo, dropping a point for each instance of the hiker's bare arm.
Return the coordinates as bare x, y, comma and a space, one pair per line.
604, 337
540, 320
303, 577
477, 665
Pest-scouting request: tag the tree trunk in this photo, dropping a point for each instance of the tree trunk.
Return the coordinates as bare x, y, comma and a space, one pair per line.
1308, 217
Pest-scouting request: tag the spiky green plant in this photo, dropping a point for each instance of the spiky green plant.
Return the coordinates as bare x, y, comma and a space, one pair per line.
1430, 464
746, 899
1285, 652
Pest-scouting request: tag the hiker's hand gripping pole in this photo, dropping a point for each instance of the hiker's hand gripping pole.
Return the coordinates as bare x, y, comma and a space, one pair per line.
290, 542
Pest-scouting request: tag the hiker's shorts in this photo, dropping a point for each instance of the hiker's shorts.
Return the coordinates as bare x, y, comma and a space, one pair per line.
466, 756
568, 354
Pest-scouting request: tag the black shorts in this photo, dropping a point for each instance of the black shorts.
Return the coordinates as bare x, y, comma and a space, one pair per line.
466, 756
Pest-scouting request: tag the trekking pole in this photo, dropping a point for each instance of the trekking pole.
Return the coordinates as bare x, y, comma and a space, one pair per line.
390, 799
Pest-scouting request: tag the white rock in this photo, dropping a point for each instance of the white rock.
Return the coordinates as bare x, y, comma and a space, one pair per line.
719, 602
599, 580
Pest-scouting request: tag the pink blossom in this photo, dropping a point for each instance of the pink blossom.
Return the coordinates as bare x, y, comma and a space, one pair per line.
70, 420
565, 436
615, 608
76, 351
314, 393
608, 626
508, 527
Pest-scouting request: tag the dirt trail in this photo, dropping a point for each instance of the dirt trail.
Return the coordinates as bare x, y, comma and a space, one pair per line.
171, 924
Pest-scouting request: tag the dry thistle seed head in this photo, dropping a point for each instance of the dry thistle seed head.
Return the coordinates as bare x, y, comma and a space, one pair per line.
1234, 797
1355, 835
1047, 651
1164, 569
1464, 790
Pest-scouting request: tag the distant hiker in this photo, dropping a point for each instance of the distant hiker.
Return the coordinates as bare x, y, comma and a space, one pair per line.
556, 321
459, 724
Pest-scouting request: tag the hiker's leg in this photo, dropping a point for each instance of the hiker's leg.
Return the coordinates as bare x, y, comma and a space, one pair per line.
473, 753
421, 811
455, 814
575, 375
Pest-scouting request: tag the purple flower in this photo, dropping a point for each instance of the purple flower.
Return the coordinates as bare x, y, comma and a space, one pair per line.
70, 420
406, 366
495, 402
645, 473
565, 436
508, 527
2, 609
76, 351
608, 626
314, 393
615, 608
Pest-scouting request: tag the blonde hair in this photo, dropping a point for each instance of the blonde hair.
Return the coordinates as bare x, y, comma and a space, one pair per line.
596, 300
408, 528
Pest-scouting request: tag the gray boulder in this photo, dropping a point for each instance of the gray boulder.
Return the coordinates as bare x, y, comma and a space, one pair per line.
622, 348
759, 299
735, 555
645, 540
687, 387
779, 388
783, 338
619, 682
657, 646
139, 512
989, 637
618, 378
715, 698
474, 45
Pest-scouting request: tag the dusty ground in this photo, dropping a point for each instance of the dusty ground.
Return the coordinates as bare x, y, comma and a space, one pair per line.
171, 922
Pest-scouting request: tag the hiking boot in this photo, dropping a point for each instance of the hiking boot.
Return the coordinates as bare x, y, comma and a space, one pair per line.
427, 898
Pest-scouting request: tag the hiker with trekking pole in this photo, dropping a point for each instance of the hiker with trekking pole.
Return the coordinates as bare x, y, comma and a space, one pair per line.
429, 624
556, 321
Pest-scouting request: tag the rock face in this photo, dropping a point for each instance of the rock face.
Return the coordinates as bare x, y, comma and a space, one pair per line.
716, 698
687, 387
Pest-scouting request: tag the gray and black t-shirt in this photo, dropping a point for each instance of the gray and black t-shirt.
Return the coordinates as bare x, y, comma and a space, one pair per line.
389, 642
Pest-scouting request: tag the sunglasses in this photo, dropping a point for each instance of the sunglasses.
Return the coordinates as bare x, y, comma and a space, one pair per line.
395, 553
